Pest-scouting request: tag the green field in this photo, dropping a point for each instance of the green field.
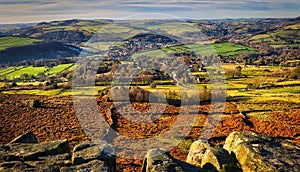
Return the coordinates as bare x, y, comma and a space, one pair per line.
11, 41
34, 92
58, 69
19, 71
288, 36
88, 91
172, 28
6, 71
154, 53
30, 70
230, 49
84, 26
268, 93
225, 49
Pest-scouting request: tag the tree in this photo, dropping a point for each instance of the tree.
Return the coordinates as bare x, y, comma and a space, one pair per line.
14, 84
295, 73
25, 76
236, 72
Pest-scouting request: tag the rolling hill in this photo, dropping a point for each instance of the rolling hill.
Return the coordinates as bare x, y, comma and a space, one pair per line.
69, 31
282, 37
48, 40
35, 51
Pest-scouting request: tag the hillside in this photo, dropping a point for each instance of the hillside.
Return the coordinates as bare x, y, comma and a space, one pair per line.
37, 51
286, 36
70, 31
9, 41
231, 38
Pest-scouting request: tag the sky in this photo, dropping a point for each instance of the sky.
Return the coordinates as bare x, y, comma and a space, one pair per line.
27, 11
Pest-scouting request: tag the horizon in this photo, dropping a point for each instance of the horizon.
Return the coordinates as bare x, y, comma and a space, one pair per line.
35, 11
184, 19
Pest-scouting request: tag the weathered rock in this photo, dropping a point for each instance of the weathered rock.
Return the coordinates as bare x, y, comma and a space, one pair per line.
31, 152
53, 161
16, 166
259, 153
160, 160
219, 159
55, 156
88, 151
95, 165
82, 146
196, 152
25, 138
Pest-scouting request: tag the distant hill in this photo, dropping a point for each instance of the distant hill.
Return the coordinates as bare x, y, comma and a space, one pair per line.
45, 40
37, 51
69, 32
286, 36
13, 41
7, 27
64, 38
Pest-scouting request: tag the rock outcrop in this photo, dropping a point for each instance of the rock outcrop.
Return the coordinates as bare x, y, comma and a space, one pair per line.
161, 160
260, 153
201, 154
28, 137
246, 151
242, 151
218, 159
196, 152
93, 153
25, 154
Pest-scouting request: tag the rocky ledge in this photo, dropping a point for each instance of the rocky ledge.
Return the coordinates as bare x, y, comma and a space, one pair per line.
242, 151
26, 154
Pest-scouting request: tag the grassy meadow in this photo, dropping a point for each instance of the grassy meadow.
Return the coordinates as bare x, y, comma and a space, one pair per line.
11, 41
16, 72
225, 49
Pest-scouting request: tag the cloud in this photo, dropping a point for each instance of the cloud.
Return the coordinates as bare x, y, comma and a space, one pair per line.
35, 10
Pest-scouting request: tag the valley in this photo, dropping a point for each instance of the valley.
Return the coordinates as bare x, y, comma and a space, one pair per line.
244, 74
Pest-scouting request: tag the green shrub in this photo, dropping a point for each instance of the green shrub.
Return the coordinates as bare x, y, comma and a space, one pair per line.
35, 103
14, 84
54, 86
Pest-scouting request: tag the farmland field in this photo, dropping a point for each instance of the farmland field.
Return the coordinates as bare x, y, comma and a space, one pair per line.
290, 34
30, 70
8, 70
10, 41
19, 71
170, 27
154, 53
58, 69
225, 49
